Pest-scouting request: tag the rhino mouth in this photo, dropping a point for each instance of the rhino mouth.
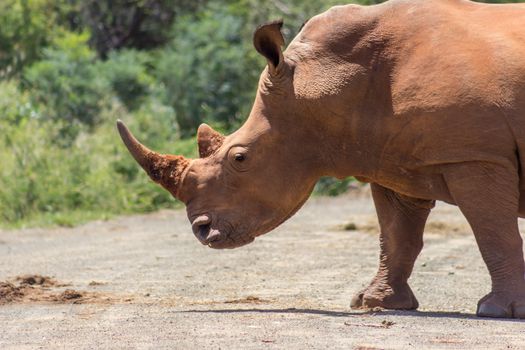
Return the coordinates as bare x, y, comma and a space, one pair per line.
229, 237
207, 232
228, 243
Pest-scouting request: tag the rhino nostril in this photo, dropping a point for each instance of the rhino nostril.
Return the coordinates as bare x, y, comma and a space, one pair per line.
199, 222
204, 230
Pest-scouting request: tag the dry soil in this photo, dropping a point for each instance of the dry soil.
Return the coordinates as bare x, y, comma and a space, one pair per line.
145, 282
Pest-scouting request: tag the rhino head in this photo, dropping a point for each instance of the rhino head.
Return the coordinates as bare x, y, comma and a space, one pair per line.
246, 184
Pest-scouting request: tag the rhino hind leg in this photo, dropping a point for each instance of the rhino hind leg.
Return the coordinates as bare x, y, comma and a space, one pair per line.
402, 221
489, 204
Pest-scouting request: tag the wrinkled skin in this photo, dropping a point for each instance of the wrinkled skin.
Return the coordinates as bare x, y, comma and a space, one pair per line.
237, 196
423, 99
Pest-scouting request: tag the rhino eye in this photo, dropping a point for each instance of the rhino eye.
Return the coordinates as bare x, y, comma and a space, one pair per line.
238, 158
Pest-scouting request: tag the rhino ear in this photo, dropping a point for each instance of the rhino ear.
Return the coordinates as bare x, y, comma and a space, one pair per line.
209, 140
268, 41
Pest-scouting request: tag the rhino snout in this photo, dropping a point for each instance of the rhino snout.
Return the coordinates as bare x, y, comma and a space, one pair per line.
201, 227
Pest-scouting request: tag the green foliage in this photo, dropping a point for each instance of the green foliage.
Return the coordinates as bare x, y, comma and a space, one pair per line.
66, 85
329, 186
127, 72
96, 175
209, 71
15, 105
25, 27
139, 24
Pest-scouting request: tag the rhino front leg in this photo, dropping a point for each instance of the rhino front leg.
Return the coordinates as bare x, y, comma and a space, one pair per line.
402, 221
488, 196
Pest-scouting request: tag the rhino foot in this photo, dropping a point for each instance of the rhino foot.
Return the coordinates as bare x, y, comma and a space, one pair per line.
502, 305
386, 296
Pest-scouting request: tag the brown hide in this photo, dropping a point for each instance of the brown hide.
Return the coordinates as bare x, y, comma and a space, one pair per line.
445, 84
425, 99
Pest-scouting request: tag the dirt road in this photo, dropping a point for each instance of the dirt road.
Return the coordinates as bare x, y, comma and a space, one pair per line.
145, 282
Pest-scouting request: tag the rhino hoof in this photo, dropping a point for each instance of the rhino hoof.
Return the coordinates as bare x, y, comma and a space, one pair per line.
502, 305
387, 297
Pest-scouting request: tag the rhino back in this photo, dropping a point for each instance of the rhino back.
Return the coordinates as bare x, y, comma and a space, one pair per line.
447, 77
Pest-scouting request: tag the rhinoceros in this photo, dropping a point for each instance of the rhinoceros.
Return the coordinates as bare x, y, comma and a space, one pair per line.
424, 100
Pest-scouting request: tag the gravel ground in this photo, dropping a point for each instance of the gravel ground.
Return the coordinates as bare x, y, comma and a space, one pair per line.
145, 282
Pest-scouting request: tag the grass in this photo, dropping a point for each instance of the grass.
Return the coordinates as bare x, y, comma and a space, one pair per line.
44, 182
59, 219
70, 218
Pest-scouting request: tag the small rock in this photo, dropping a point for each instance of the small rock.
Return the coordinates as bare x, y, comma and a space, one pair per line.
71, 294
350, 226
387, 324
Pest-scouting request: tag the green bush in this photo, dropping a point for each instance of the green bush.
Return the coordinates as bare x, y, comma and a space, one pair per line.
329, 186
44, 182
210, 70
127, 72
26, 26
138, 24
66, 86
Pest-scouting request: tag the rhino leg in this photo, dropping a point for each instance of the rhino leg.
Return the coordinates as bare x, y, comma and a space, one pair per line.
402, 221
521, 211
489, 199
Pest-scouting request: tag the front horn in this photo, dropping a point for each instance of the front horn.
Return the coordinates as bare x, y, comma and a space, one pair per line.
164, 169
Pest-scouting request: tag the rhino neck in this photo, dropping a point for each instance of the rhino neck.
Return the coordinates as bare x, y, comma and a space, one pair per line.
349, 139
334, 146
353, 155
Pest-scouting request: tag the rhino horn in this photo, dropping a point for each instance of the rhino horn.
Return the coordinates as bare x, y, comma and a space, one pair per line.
209, 140
164, 169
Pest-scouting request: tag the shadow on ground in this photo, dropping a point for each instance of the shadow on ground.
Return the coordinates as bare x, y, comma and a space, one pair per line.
328, 313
